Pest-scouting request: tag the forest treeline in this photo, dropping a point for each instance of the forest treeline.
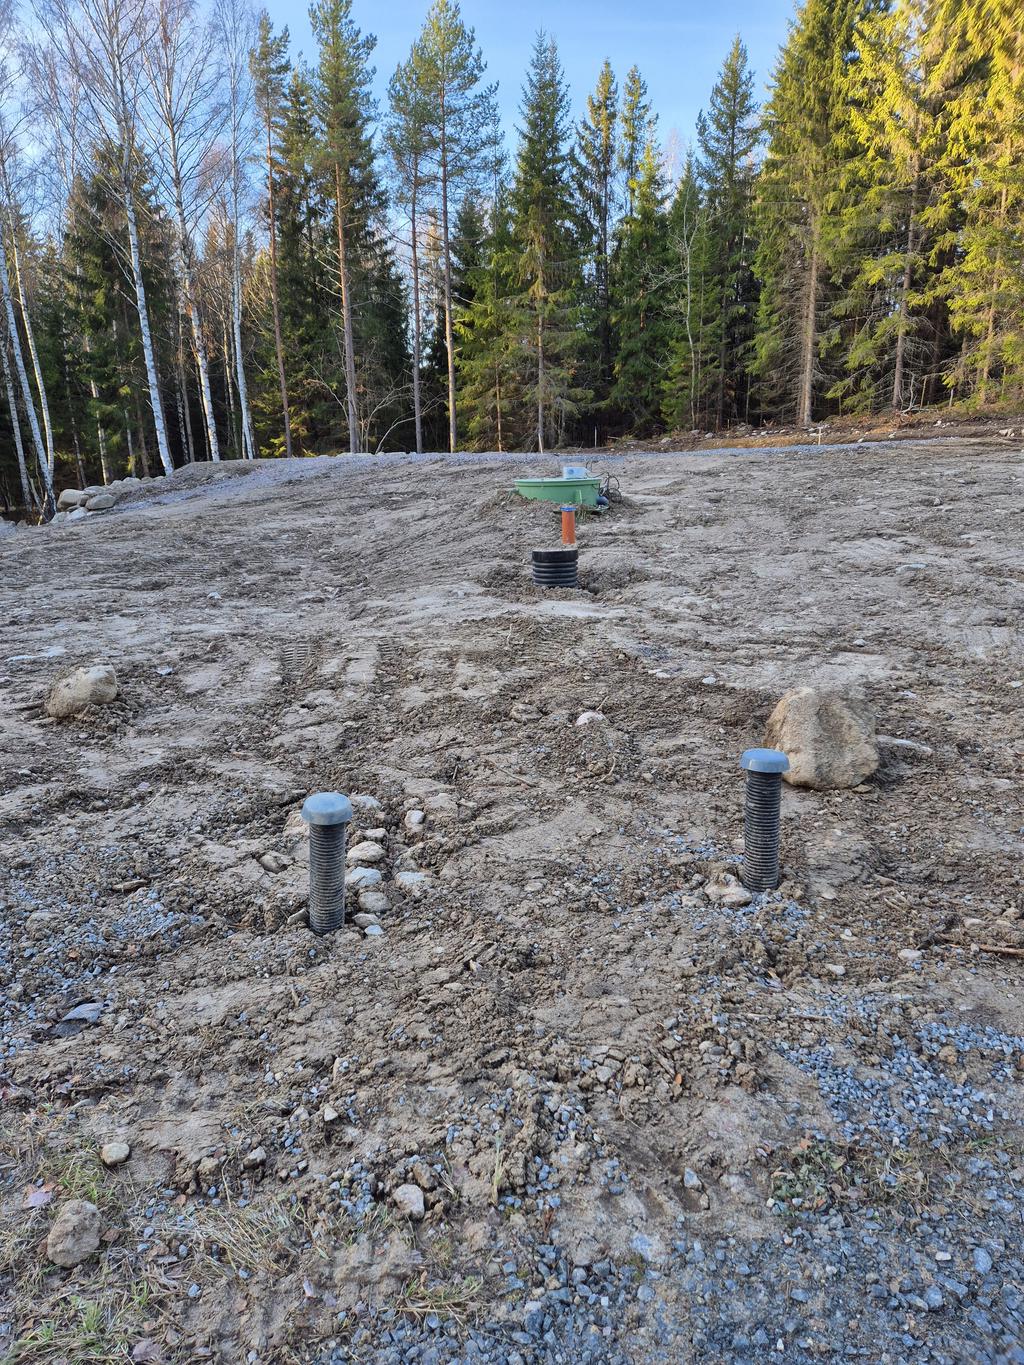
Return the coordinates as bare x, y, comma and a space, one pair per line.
211, 249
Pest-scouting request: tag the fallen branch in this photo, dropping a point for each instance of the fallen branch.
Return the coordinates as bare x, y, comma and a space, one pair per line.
998, 948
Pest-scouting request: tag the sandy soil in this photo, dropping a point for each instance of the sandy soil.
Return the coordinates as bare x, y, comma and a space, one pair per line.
646, 1126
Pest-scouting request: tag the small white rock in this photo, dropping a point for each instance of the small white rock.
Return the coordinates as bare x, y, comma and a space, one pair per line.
362, 876
413, 882
367, 851
374, 902
274, 862
588, 717
408, 1200
910, 955
115, 1153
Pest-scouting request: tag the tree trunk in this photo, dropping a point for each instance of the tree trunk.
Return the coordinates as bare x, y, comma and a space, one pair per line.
275, 304
540, 381
990, 330
155, 401
19, 365
497, 403
128, 438
202, 365
26, 493
94, 393
417, 401
346, 316
449, 330
901, 327
44, 405
248, 443
143, 443
101, 435
808, 337
229, 386
184, 416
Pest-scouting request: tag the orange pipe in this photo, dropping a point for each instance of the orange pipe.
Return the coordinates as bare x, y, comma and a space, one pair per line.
568, 526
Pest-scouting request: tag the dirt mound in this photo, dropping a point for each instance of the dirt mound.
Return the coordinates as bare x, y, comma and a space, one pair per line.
647, 1120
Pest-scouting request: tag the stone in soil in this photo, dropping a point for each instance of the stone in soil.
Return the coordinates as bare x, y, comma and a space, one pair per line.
75, 691
408, 1200
828, 737
366, 851
75, 1234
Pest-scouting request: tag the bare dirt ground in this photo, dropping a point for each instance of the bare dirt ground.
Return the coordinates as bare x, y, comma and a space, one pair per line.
646, 1126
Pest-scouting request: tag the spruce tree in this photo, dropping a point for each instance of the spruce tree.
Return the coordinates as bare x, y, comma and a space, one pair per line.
886, 211
641, 317
637, 122
546, 237
596, 161
685, 396
809, 139
345, 153
307, 292
270, 69
727, 136
491, 374
979, 54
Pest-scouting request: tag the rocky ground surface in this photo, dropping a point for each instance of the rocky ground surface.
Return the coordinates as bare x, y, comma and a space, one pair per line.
560, 1091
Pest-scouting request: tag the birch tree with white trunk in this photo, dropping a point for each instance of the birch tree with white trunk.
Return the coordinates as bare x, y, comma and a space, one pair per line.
57, 102
8, 145
103, 44
19, 445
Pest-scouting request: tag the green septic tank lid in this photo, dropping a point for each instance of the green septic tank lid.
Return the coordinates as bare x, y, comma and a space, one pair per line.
579, 491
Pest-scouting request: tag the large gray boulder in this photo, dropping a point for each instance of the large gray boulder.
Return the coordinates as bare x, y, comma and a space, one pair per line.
74, 692
71, 497
828, 737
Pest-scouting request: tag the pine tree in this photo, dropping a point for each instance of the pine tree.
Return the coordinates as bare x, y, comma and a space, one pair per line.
727, 136
459, 120
270, 69
641, 318
545, 234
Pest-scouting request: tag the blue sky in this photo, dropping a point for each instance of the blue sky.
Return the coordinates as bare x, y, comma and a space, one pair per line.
678, 46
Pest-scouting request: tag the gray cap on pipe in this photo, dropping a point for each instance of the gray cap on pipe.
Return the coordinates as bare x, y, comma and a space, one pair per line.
764, 761
327, 808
